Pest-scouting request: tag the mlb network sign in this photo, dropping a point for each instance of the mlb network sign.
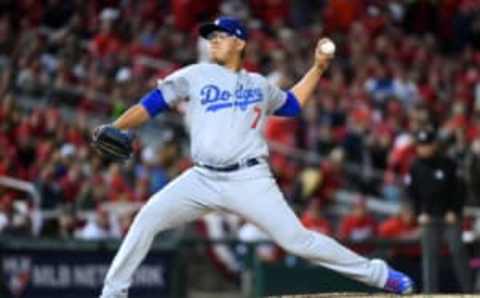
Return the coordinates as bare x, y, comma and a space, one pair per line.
67, 274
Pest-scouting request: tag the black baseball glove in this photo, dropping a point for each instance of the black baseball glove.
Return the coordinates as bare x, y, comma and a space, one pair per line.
112, 143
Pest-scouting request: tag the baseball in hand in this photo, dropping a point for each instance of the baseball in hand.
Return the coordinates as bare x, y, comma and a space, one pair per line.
327, 47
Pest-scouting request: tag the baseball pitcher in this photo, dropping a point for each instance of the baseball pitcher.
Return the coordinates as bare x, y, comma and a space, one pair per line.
226, 109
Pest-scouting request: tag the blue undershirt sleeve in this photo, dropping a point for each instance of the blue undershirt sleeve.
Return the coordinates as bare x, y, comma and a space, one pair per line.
291, 107
154, 102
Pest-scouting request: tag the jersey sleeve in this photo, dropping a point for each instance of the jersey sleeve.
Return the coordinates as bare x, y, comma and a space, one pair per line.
276, 97
282, 103
176, 86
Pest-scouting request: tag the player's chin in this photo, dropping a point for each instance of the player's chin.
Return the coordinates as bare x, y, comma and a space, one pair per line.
217, 59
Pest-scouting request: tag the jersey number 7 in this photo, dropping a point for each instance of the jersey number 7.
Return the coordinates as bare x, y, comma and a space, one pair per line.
258, 113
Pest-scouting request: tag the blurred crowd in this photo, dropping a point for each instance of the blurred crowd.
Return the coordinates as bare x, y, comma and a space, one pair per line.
41, 146
400, 66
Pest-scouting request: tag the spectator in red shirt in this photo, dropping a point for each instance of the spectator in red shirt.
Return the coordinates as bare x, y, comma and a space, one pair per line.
282, 132
272, 12
402, 154
340, 14
71, 183
358, 225
106, 42
401, 226
312, 219
187, 12
118, 189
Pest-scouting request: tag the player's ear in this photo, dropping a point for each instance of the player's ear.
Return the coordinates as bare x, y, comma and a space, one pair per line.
241, 45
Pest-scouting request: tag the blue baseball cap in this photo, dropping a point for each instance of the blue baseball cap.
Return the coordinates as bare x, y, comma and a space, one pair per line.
227, 24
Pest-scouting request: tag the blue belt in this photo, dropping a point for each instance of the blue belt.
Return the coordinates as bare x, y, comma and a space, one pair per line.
230, 168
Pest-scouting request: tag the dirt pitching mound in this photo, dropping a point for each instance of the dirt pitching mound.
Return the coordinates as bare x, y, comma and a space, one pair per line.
363, 295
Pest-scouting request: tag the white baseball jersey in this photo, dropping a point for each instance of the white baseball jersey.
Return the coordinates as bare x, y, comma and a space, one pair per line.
226, 111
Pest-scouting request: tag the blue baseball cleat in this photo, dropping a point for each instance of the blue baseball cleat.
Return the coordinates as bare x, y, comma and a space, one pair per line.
399, 283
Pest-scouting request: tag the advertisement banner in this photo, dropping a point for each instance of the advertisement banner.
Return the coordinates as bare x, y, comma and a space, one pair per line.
78, 274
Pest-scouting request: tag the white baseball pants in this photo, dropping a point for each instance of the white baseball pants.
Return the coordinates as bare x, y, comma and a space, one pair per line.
251, 193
